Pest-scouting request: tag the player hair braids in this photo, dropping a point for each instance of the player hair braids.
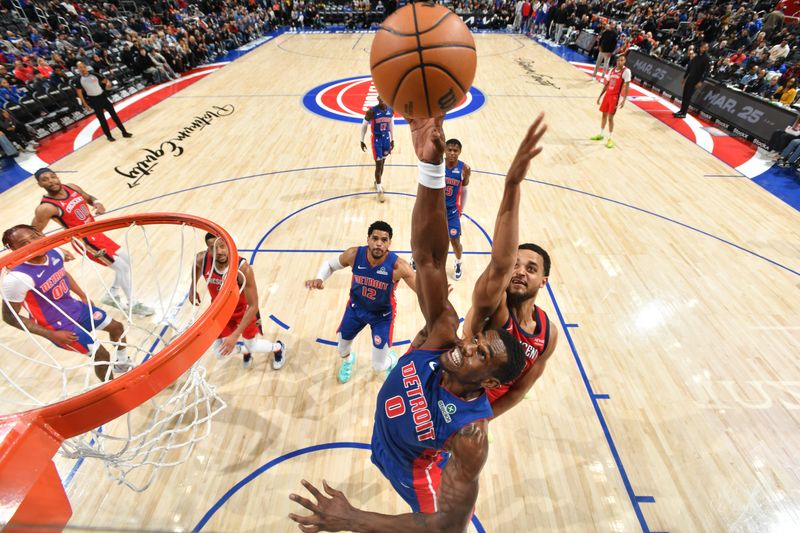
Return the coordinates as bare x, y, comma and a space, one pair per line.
515, 360
380, 225
10, 231
455, 142
541, 251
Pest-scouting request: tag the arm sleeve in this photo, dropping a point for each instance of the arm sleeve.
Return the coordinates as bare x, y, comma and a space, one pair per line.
364, 127
463, 197
15, 286
329, 267
391, 128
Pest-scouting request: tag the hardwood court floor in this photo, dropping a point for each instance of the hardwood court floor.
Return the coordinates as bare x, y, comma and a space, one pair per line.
681, 367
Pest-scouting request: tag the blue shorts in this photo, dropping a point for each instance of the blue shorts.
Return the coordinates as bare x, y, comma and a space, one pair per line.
418, 484
453, 223
354, 320
381, 147
90, 320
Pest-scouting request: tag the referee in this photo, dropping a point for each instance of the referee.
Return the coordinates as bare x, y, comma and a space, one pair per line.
92, 94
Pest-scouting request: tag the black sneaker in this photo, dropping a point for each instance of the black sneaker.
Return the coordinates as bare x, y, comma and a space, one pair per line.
127, 135
247, 360
110, 138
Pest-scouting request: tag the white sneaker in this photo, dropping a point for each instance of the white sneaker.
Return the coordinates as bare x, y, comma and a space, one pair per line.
457, 272
142, 310
122, 364
279, 357
111, 301
379, 188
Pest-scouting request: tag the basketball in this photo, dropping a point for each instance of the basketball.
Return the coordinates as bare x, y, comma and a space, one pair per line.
423, 60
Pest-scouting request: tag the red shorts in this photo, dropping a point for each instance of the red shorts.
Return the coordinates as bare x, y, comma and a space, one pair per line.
609, 103
253, 329
99, 248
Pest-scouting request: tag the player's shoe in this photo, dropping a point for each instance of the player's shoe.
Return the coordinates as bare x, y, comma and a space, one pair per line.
346, 370
597, 137
379, 189
413, 265
280, 357
142, 310
610, 144
112, 302
457, 272
392, 363
247, 360
122, 364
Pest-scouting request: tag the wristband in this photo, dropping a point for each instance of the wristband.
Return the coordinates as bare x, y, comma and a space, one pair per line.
431, 176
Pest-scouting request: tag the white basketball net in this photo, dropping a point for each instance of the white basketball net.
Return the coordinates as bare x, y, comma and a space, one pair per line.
164, 430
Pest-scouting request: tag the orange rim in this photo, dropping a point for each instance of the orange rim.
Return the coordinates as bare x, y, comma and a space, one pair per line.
112, 399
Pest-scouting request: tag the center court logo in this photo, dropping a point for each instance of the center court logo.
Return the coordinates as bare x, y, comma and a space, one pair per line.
349, 98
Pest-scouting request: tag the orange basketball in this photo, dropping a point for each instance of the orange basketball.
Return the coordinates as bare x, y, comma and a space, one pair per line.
423, 60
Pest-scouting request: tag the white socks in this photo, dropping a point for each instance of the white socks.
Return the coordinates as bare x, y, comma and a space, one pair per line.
380, 358
261, 346
344, 347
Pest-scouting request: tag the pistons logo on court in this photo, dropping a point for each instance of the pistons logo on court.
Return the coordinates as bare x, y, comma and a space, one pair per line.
349, 98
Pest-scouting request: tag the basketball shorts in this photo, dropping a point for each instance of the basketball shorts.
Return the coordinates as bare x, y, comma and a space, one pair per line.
418, 484
381, 147
381, 324
99, 249
89, 320
253, 329
453, 223
609, 103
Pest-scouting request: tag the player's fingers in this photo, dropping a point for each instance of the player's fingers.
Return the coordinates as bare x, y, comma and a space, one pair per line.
330, 490
305, 503
307, 521
539, 133
533, 127
536, 151
309, 529
313, 490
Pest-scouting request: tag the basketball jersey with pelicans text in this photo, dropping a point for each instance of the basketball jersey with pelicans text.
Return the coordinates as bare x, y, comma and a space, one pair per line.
381, 121
452, 191
372, 287
415, 415
51, 281
534, 344
72, 210
214, 279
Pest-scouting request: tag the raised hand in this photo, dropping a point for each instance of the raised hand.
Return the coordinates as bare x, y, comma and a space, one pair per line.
428, 138
528, 149
330, 514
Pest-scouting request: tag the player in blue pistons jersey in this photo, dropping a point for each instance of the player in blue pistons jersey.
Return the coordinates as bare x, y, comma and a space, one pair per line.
376, 273
379, 120
456, 175
431, 420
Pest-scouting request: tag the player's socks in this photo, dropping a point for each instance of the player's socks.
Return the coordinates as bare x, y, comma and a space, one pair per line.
346, 370
280, 356
122, 362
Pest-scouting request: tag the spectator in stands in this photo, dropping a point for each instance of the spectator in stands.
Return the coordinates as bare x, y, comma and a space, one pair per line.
786, 93
607, 45
771, 87
773, 22
16, 131
696, 72
8, 148
23, 70
738, 56
779, 52
749, 76
781, 138
9, 93
43, 68
527, 14
790, 155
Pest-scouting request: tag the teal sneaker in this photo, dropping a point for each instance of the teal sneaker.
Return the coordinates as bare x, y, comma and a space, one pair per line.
346, 370
393, 363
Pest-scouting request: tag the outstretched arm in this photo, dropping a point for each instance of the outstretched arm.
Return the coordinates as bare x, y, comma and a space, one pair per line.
491, 285
402, 270
41, 217
331, 265
458, 492
429, 239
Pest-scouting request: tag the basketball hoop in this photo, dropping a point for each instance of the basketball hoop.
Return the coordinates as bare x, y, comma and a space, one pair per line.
31, 493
